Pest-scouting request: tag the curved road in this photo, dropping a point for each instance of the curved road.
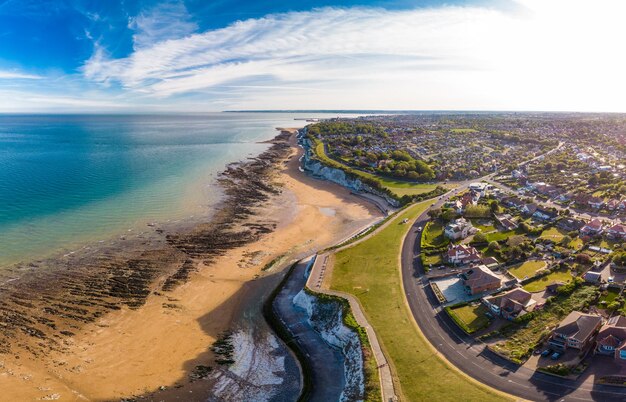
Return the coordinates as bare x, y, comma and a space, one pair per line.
471, 356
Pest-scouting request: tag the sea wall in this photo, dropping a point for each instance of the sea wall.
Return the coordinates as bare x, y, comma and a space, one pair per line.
319, 170
326, 317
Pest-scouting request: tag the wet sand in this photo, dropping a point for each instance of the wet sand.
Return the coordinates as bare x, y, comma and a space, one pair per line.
157, 340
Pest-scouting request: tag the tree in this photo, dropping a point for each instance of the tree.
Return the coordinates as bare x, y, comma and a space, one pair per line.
434, 213
566, 240
620, 258
493, 246
614, 305
480, 238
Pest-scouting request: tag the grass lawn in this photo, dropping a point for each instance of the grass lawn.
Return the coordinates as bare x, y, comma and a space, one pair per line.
433, 260
540, 284
611, 295
497, 236
484, 225
433, 235
470, 318
370, 271
576, 244
526, 269
554, 234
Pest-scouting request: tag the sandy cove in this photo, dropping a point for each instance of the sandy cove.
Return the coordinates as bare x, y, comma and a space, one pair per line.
130, 352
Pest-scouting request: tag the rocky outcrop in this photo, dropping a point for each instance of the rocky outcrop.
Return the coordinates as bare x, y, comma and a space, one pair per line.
326, 317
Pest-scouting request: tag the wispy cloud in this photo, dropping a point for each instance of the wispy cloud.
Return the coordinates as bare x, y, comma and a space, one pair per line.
16, 75
169, 20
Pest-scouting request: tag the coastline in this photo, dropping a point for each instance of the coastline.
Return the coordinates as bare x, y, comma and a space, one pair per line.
124, 351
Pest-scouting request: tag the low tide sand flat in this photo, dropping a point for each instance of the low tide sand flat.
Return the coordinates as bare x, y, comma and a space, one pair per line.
142, 320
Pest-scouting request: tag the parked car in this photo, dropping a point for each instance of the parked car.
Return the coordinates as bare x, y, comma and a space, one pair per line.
556, 355
611, 279
546, 352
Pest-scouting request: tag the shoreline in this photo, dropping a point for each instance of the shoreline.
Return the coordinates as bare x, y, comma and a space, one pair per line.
90, 351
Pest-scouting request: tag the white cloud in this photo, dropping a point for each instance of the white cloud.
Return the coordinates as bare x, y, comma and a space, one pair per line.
16, 75
541, 55
169, 20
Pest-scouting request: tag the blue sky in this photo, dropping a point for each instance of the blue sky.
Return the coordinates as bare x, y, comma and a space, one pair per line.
133, 55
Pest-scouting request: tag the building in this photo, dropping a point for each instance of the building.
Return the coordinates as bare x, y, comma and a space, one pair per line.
545, 215
575, 331
462, 254
506, 221
593, 277
593, 228
529, 209
570, 224
510, 305
480, 187
459, 229
616, 232
479, 280
611, 339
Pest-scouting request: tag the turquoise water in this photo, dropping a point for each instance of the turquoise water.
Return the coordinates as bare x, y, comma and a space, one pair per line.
69, 179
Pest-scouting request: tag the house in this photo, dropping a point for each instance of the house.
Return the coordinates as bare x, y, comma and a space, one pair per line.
459, 229
570, 224
593, 277
611, 339
462, 254
529, 209
616, 232
595, 202
545, 215
612, 204
575, 331
593, 228
554, 286
513, 202
511, 304
479, 280
506, 221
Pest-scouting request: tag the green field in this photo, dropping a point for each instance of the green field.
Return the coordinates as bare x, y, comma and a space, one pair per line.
469, 318
526, 269
553, 234
537, 285
464, 130
485, 225
370, 271
497, 236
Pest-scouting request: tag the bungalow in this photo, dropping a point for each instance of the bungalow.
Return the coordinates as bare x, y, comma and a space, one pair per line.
480, 279
545, 215
570, 224
513, 202
510, 304
459, 229
506, 221
593, 277
462, 254
575, 331
611, 339
592, 228
616, 232
490, 262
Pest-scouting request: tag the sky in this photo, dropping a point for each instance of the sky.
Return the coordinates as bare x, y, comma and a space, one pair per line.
200, 56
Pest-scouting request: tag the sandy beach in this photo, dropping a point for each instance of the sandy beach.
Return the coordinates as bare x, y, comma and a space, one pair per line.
153, 349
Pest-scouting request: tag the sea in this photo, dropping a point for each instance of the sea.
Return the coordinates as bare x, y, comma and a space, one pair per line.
70, 180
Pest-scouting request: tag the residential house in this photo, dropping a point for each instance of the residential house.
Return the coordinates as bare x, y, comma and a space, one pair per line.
592, 277
611, 339
513, 202
545, 215
529, 209
570, 224
616, 232
490, 262
595, 202
612, 204
506, 221
480, 279
593, 228
511, 304
462, 254
459, 229
575, 331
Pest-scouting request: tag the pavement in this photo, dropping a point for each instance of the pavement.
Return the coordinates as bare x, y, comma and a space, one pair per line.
326, 362
472, 357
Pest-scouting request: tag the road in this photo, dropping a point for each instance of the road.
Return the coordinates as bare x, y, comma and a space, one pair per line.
326, 362
471, 356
